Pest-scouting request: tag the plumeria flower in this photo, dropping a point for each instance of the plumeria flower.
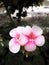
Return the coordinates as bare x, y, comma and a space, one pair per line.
18, 39
27, 37
35, 38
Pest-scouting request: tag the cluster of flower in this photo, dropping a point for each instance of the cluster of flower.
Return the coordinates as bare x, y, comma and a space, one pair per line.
28, 37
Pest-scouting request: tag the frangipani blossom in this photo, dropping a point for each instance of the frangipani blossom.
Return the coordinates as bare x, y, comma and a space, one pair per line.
27, 37
18, 39
36, 37
16, 42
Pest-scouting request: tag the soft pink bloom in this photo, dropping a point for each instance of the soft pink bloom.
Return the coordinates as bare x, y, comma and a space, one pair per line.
27, 37
35, 38
18, 39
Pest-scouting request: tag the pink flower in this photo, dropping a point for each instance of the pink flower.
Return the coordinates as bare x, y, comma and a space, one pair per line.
35, 38
18, 39
27, 37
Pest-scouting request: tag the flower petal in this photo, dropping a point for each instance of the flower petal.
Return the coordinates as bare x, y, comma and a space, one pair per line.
23, 40
15, 31
39, 41
20, 29
12, 33
27, 30
14, 46
30, 47
37, 30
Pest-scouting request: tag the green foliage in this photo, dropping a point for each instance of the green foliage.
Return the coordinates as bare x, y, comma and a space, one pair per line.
32, 58
38, 60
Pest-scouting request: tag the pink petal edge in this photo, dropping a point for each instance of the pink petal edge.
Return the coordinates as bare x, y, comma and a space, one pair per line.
40, 41
37, 30
13, 46
30, 47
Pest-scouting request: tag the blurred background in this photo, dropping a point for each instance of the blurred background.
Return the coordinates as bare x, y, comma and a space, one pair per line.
32, 15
